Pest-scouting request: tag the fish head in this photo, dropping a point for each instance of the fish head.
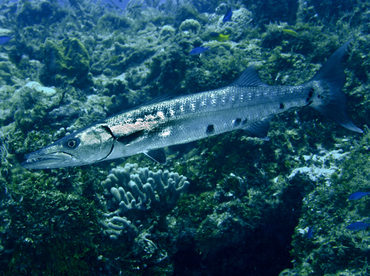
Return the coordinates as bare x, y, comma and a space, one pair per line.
87, 146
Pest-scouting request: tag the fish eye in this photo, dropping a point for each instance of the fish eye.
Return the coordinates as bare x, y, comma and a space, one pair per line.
72, 143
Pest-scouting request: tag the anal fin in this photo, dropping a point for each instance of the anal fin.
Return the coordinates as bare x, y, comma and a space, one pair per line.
260, 128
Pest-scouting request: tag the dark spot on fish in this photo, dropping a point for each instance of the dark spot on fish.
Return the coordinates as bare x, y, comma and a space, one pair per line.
72, 143
310, 93
320, 96
245, 121
281, 106
237, 122
210, 129
131, 137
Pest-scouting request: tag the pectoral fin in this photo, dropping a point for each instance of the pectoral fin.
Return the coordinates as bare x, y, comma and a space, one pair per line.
157, 155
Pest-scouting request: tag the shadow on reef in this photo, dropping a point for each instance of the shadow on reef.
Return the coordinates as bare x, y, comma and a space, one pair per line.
263, 250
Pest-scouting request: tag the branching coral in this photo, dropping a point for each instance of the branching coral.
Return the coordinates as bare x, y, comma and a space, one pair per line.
134, 188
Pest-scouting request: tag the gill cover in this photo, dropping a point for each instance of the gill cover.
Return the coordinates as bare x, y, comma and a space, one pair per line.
86, 146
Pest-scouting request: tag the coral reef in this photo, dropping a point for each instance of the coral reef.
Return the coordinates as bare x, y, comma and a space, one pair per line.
167, 31
30, 13
251, 203
333, 249
68, 57
136, 188
190, 25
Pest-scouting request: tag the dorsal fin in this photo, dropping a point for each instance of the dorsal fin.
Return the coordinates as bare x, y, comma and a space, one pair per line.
249, 77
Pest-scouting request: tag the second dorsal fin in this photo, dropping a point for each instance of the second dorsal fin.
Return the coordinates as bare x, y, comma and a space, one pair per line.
249, 77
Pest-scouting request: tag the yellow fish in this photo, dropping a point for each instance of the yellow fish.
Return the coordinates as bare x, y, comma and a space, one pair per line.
219, 37
290, 32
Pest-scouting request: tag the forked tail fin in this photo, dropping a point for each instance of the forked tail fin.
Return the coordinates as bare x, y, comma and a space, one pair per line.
328, 97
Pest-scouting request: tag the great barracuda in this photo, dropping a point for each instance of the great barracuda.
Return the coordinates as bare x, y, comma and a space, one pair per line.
248, 103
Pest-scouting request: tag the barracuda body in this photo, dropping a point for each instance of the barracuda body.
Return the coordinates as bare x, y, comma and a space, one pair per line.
247, 104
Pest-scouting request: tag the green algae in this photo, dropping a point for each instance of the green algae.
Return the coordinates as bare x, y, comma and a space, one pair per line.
335, 250
68, 58
45, 242
114, 21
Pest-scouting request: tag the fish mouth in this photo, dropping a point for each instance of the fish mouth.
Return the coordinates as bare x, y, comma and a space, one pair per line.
37, 160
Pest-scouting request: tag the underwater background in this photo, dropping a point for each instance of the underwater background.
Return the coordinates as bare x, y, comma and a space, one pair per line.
295, 205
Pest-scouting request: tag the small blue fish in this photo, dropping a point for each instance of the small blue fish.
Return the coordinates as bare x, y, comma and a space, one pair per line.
357, 226
310, 232
228, 15
198, 50
358, 195
4, 39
